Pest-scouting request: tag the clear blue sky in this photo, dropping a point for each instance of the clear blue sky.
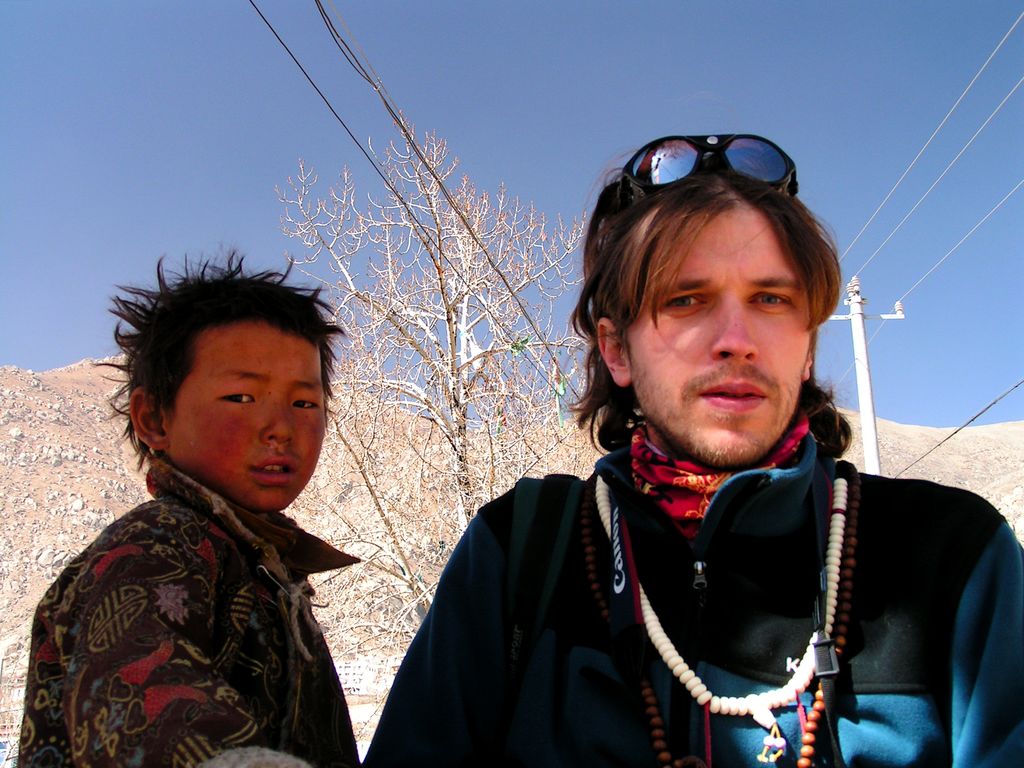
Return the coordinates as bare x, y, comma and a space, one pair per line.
130, 130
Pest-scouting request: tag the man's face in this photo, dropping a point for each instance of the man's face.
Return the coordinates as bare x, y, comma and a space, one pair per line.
718, 375
248, 420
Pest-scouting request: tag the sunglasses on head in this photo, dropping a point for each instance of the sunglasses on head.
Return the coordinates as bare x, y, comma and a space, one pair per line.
671, 158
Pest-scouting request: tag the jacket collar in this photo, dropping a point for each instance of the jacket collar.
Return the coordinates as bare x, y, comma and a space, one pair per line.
762, 502
302, 552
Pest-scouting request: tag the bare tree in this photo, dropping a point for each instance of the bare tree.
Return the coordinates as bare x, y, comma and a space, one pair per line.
450, 386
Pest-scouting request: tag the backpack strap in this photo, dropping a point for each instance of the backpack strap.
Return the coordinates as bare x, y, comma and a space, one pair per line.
542, 518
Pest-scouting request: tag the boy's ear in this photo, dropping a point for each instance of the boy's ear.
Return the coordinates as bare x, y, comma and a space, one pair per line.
147, 420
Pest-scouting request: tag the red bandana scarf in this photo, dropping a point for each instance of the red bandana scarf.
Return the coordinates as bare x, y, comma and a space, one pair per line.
683, 489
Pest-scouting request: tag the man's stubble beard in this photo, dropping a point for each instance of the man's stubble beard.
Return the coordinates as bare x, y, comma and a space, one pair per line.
687, 441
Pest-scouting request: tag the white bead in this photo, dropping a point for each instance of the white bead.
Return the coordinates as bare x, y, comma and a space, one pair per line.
687, 676
763, 715
697, 690
704, 698
680, 669
805, 678
716, 705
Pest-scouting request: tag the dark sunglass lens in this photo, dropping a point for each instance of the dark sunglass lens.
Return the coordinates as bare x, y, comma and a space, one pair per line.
665, 162
755, 158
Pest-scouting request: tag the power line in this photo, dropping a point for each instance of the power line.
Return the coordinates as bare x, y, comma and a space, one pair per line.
949, 253
347, 52
392, 109
337, 117
962, 426
935, 266
934, 133
421, 230
424, 236
943, 174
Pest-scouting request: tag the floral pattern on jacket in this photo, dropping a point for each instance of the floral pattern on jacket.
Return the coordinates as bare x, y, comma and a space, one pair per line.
184, 631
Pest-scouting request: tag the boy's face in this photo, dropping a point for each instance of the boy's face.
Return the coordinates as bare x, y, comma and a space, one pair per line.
248, 420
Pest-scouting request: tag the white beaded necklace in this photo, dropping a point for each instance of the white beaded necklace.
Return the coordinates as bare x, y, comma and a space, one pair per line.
757, 705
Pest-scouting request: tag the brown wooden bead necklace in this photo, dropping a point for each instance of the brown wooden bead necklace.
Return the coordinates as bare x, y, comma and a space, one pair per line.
841, 612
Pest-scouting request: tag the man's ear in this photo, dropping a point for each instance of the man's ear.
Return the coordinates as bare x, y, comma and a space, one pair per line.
613, 352
148, 421
808, 366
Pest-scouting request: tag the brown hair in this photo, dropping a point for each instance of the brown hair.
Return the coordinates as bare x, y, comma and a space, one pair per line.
629, 262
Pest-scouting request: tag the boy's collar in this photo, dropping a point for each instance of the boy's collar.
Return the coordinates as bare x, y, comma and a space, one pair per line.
302, 552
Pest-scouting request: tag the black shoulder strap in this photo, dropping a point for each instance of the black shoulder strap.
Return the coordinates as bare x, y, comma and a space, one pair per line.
542, 518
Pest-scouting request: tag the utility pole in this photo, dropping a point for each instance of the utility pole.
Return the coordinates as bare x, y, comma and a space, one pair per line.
868, 428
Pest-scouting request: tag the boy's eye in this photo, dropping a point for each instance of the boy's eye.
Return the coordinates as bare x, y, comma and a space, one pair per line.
240, 398
305, 404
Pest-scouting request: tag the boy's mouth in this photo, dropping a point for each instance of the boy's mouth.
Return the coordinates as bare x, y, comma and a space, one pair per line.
274, 472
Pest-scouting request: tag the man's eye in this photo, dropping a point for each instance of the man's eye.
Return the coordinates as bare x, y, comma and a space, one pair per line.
682, 301
772, 298
305, 404
240, 398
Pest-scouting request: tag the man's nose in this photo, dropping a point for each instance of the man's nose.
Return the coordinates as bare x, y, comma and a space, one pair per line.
733, 334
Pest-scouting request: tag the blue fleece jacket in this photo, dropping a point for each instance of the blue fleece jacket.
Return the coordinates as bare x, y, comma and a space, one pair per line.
933, 673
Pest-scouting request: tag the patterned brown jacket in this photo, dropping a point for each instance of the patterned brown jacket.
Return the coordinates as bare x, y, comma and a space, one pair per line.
182, 632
